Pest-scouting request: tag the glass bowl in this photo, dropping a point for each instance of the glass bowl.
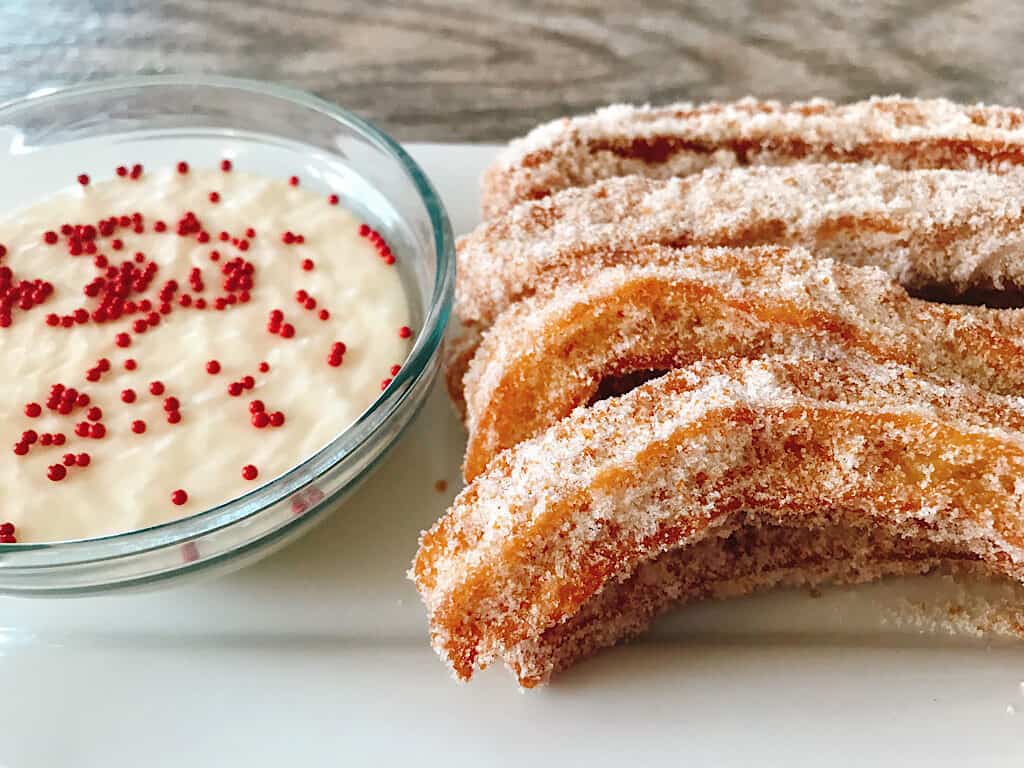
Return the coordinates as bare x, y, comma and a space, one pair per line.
92, 128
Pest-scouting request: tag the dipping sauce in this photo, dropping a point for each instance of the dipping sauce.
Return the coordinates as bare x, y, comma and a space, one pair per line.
173, 338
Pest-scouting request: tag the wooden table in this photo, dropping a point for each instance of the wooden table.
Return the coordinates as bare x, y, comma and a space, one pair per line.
489, 70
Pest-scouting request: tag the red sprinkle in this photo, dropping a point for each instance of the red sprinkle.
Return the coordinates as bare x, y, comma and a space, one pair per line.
56, 472
98, 431
138, 426
179, 497
173, 417
248, 382
294, 181
50, 238
324, 314
264, 367
156, 388
69, 459
404, 332
256, 406
128, 396
276, 419
225, 165
29, 436
171, 404
94, 414
123, 340
249, 472
46, 439
32, 410
83, 179
235, 388
183, 167
214, 197
385, 384
395, 369
260, 420
287, 330
307, 264
332, 199
83, 459
130, 364
121, 171
59, 439
213, 367
20, 449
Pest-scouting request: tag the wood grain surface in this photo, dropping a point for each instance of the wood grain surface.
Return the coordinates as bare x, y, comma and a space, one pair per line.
488, 70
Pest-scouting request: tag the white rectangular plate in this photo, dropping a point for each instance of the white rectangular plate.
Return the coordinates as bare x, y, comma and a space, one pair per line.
319, 656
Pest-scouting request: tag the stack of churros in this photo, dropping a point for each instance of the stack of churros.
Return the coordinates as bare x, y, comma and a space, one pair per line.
705, 355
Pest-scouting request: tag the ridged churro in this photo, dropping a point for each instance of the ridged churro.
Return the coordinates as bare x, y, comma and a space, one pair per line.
681, 139
674, 306
799, 442
946, 232
754, 557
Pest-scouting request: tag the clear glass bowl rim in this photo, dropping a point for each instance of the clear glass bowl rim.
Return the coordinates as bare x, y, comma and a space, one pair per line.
427, 344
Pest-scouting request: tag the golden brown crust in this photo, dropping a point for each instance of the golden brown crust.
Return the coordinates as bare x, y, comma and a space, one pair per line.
682, 139
800, 442
672, 307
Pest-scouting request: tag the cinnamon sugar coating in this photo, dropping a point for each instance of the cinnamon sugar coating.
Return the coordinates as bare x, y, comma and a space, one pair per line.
682, 139
663, 308
754, 557
951, 231
800, 442
887, 440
